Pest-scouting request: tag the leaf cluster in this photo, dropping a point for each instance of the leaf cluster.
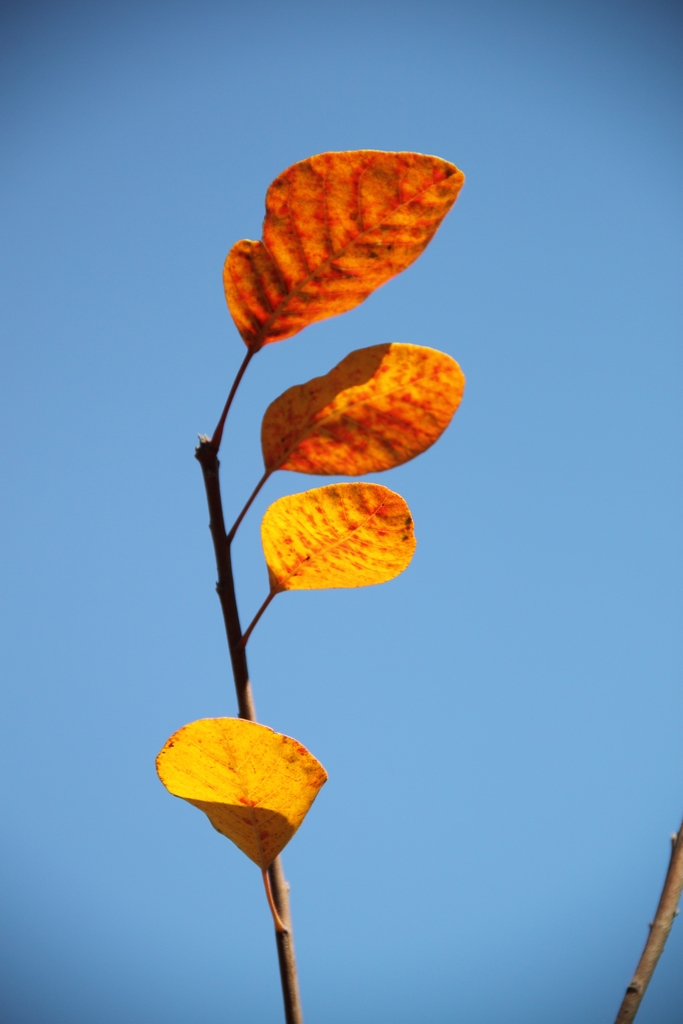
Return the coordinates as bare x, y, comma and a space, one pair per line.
337, 226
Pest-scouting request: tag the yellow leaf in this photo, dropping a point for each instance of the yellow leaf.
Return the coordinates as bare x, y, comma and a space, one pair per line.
255, 785
337, 226
343, 535
378, 408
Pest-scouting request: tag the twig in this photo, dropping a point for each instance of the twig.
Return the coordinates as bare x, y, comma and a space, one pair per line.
659, 933
285, 945
207, 456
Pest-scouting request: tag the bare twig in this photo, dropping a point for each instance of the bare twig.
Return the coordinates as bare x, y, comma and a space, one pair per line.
207, 456
659, 933
285, 945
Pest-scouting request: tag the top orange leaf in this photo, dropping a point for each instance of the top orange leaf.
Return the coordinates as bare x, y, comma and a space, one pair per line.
337, 226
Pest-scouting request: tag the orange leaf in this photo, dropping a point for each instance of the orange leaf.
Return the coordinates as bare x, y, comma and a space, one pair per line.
378, 408
255, 785
343, 535
337, 226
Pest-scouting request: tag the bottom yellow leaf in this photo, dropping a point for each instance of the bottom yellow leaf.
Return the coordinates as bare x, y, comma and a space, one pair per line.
255, 785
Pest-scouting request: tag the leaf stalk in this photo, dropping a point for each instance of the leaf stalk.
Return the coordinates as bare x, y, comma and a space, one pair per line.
250, 500
218, 432
243, 642
279, 923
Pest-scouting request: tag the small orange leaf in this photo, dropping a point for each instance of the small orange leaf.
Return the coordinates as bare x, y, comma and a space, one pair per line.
337, 226
343, 535
255, 785
378, 408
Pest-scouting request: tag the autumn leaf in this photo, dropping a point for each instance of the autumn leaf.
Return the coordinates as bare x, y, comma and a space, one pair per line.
378, 408
255, 785
337, 226
343, 535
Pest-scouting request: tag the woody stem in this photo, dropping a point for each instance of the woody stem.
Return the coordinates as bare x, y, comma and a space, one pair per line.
659, 933
207, 456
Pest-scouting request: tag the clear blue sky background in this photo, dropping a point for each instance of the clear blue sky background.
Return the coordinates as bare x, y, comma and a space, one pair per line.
502, 724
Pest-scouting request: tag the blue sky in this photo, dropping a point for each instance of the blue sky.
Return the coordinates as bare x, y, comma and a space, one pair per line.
502, 723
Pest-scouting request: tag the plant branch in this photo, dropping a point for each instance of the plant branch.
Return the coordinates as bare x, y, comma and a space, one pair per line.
218, 432
285, 945
659, 933
235, 525
207, 456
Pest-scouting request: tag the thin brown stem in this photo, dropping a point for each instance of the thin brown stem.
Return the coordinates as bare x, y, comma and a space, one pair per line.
285, 945
259, 613
218, 432
252, 496
207, 456
659, 933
